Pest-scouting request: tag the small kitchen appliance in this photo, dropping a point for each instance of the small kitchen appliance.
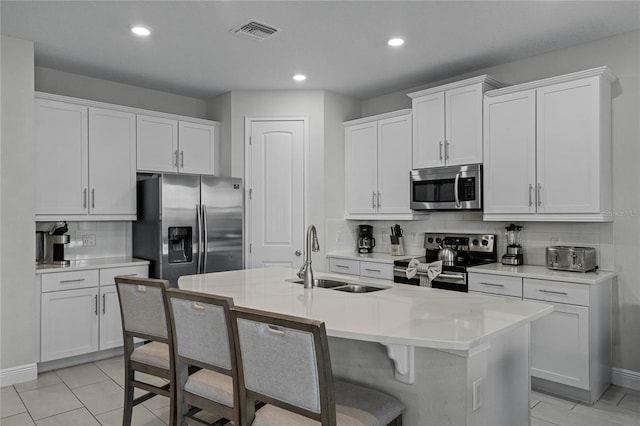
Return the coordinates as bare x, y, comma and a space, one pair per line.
55, 241
467, 250
567, 258
513, 256
40, 247
447, 188
366, 242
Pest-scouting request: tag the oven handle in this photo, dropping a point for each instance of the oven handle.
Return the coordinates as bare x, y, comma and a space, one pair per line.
455, 191
450, 276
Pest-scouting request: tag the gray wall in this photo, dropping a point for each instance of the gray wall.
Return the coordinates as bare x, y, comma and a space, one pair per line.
17, 226
622, 54
219, 109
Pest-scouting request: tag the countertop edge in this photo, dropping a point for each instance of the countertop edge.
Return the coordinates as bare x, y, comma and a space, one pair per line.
85, 264
543, 273
371, 257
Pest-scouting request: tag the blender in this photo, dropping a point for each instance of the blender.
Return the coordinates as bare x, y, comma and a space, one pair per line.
513, 256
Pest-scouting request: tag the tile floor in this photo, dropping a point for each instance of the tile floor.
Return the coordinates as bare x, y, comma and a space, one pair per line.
91, 395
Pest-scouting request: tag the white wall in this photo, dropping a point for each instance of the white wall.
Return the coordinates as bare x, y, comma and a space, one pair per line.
79, 86
219, 109
17, 227
618, 243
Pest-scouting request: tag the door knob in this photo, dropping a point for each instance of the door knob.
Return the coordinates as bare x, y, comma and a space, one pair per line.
298, 253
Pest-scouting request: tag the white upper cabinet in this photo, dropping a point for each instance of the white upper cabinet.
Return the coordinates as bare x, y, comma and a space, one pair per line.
84, 162
167, 145
377, 165
447, 123
547, 149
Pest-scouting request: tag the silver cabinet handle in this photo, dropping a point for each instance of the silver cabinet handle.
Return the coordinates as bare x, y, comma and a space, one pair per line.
104, 304
530, 190
175, 154
539, 198
84, 198
379, 198
96, 301
440, 150
298, 253
77, 280
182, 159
373, 200
93, 198
560, 293
373, 270
493, 285
341, 266
446, 150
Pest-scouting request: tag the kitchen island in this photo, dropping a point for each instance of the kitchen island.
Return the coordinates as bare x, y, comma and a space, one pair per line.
452, 358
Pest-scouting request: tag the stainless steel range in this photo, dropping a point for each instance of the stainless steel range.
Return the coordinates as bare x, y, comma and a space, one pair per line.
469, 249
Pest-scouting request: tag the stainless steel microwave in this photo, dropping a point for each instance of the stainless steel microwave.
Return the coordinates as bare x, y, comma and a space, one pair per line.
447, 188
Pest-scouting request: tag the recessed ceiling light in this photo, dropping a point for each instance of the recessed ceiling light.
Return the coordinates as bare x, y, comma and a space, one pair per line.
299, 77
140, 31
395, 42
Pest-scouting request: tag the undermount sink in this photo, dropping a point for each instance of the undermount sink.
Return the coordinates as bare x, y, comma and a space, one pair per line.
339, 285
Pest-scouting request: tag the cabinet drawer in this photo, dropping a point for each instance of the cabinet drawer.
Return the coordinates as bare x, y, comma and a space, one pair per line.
495, 284
556, 291
106, 275
344, 266
69, 280
376, 270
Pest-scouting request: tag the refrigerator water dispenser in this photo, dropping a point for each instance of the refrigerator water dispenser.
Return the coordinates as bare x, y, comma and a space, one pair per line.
180, 244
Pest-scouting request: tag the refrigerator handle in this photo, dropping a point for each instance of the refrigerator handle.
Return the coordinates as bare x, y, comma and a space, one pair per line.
199, 232
205, 237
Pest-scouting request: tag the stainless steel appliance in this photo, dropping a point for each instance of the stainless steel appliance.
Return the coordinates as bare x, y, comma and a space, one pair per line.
447, 188
189, 224
514, 255
55, 241
567, 258
470, 250
366, 242
40, 247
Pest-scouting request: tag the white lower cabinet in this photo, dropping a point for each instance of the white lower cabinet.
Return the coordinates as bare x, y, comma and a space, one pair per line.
80, 311
361, 268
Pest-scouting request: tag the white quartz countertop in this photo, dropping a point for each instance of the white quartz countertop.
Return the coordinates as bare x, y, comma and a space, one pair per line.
79, 265
400, 314
543, 273
370, 257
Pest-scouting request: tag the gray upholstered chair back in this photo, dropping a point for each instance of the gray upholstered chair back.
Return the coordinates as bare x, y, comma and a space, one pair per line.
142, 306
284, 358
201, 327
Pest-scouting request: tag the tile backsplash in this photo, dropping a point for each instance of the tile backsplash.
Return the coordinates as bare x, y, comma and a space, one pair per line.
112, 239
536, 236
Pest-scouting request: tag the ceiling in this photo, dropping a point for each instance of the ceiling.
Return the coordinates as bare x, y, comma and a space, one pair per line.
340, 45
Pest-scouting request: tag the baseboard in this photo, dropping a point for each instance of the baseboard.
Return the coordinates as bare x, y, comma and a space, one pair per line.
22, 373
625, 378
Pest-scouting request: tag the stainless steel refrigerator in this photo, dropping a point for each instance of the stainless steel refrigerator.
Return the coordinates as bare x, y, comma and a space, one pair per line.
189, 224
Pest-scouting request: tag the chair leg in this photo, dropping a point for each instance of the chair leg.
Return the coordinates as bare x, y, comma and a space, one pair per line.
182, 408
128, 397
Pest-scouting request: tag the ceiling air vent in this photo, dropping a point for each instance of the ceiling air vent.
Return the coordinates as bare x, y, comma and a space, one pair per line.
255, 30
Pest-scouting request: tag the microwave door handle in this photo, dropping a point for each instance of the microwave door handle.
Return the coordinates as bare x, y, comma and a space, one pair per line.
455, 191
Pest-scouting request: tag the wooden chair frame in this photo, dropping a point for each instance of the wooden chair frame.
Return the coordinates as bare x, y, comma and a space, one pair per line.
131, 367
183, 364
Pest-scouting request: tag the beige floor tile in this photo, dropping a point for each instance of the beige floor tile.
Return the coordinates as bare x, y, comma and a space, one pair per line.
533, 402
23, 419
80, 417
100, 397
141, 417
630, 402
613, 395
561, 402
156, 403
566, 417
114, 368
43, 380
163, 414
611, 412
49, 401
539, 422
81, 375
10, 402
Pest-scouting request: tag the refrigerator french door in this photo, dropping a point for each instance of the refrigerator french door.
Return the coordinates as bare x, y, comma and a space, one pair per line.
189, 224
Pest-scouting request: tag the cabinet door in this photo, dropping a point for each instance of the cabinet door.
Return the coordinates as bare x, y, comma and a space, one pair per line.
197, 148
463, 125
560, 346
428, 131
61, 165
394, 164
112, 162
510, 153
157, 144
568, 147
69, 323
110, 319
361, 144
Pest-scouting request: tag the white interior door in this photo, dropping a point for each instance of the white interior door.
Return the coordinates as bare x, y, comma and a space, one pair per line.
275, 178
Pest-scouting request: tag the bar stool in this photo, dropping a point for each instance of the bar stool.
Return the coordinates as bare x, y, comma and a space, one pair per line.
201, 326
142, 306
284, 361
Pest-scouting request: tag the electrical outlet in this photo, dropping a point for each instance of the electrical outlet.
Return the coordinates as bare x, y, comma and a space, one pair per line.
89, 240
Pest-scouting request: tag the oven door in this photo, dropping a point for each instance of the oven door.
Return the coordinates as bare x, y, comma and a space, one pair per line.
456, 281
447, 188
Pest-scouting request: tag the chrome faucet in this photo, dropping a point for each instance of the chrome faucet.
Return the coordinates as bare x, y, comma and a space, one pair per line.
305, 271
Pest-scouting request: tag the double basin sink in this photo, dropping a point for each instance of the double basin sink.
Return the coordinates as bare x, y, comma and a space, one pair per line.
340, 285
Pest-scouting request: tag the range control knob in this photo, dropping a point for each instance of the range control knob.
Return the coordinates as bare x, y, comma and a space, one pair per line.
438, 240
430, 239
485, 243
474, 242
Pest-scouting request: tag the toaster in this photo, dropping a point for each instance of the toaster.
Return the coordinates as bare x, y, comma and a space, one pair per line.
568, 258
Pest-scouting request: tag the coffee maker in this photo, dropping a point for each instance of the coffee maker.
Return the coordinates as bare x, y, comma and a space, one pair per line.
513, 256
366, 242
55, 241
